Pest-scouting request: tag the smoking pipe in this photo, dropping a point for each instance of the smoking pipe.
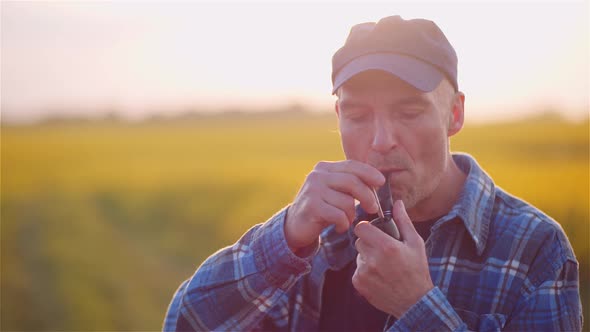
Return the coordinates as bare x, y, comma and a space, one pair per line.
385, 202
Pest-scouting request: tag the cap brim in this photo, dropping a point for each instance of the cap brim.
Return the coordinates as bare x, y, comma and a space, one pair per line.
419, 74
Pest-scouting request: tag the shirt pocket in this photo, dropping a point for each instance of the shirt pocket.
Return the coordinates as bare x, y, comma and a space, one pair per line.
482, 322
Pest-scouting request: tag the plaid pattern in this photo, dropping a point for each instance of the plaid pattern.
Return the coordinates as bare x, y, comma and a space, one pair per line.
497, 263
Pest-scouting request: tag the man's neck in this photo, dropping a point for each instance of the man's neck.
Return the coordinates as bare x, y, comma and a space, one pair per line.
444, 196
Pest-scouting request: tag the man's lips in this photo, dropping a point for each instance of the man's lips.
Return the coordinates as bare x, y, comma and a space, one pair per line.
393, 173
391, 170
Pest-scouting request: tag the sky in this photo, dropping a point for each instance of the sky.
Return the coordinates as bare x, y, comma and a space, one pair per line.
140, 58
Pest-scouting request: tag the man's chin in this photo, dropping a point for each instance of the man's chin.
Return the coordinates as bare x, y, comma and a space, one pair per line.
407, 198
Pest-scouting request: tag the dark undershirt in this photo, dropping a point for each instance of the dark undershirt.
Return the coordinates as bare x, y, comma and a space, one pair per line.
343, 309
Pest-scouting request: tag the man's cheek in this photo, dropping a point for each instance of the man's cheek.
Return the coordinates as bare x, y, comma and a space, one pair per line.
355, 148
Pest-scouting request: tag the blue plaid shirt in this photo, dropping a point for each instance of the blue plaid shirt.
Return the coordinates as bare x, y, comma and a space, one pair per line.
497, 263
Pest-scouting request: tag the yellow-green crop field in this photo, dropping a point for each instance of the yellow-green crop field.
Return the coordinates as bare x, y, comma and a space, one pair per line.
101, 221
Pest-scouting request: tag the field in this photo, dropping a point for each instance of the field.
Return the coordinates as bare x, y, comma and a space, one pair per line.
102, 220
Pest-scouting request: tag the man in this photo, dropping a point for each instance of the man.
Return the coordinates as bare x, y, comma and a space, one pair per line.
470, 257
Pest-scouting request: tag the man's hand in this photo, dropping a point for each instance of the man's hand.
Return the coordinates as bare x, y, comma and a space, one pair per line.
391, 275
327, 198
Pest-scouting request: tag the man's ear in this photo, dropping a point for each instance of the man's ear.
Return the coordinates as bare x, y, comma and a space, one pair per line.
456, 116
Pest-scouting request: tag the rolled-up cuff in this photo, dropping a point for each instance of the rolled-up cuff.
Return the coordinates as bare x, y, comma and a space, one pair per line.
281, 267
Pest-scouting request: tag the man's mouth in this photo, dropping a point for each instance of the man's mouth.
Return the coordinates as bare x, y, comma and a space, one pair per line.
391, 170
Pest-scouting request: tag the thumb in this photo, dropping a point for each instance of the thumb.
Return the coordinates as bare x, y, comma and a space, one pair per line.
403, 222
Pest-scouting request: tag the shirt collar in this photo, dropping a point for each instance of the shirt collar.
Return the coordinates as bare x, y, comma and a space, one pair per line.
474, 208
476, 201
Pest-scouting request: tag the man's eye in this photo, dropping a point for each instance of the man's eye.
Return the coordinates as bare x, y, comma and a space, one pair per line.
357, 116
411, 113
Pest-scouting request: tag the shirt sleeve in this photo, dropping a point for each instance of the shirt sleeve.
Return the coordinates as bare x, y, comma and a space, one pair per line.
236, 288
550, 296
554, 305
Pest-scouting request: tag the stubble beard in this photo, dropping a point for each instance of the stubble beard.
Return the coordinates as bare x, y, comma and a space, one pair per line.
414, 194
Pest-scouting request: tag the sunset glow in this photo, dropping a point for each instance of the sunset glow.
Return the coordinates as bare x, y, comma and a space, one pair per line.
140, 58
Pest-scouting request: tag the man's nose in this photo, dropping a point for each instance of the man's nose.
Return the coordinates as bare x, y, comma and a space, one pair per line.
384, 138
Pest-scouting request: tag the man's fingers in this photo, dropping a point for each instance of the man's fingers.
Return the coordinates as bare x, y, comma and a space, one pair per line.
362, 247
370, 234
333, 215
327, 198
367, 173
404, 224
350, 184
341, 201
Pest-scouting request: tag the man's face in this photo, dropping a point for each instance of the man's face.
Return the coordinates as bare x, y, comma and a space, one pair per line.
395, 127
